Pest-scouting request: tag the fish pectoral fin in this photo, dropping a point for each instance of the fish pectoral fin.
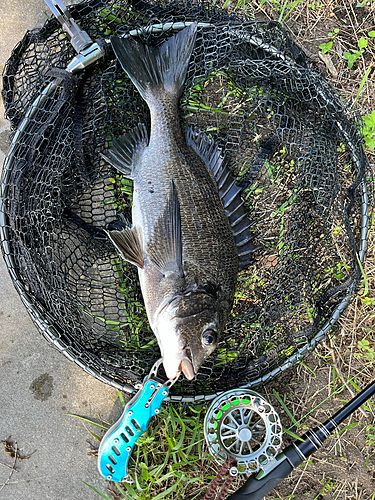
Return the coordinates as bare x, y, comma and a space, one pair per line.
124, 148
165, 246
230, 193
128, 242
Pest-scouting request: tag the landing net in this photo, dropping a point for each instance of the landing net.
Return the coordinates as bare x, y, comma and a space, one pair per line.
289, 138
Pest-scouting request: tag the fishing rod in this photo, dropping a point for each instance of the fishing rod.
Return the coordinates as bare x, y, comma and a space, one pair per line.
278, 469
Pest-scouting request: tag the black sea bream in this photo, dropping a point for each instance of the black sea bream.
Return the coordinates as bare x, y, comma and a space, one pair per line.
189, 234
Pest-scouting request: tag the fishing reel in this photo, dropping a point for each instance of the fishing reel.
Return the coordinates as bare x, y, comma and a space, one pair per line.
242, 425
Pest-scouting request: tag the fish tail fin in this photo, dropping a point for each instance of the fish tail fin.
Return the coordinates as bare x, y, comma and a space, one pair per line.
155, 68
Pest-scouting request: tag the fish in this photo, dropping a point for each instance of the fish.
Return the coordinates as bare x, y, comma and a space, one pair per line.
189, 234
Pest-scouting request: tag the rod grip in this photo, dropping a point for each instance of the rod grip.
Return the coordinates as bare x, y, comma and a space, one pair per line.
256, 489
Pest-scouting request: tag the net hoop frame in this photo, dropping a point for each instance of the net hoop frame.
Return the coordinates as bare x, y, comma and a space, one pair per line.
47, 329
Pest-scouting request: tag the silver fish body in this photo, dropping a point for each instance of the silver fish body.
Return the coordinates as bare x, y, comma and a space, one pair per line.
181, 238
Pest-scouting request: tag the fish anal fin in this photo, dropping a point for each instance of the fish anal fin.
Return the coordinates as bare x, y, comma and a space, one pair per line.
165, 246
212, 155
126, 149
128, 242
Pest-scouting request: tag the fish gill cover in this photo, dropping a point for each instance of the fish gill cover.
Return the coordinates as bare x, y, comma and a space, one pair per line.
289, 139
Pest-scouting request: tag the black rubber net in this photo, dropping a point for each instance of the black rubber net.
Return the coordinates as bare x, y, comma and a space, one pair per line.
289, 138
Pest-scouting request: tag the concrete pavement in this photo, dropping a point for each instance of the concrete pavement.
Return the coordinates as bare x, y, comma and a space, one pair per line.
38, 385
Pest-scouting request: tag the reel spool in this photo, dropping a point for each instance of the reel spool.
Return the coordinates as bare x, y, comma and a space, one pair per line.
241, 424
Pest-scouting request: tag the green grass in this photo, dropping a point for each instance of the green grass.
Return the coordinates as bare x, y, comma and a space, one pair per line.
283, 8
369, 126
134, 328
169, 457
122, 190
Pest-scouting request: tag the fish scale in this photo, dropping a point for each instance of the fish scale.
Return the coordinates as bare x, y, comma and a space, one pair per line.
207, 236
208, 243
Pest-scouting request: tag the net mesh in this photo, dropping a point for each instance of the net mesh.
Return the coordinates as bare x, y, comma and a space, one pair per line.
290, 140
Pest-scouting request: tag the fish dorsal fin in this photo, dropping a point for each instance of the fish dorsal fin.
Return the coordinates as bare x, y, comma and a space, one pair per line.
124, 149
230, 193
128, 241
165, 246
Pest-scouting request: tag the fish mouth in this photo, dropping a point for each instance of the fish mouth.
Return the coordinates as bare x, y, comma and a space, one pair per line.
187, 366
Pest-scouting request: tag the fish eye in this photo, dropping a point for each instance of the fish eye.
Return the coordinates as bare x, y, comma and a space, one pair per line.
209, 337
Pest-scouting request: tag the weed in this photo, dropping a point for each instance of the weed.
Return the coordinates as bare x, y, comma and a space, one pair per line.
230, 94
284, 8
282, 403
315, 5
370, 435
349, 426
122, 189
326, 47
136, 320
108, 18
102, 495
362, 84
368, 352
134, 324
355, 54
328, 486
369, 130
